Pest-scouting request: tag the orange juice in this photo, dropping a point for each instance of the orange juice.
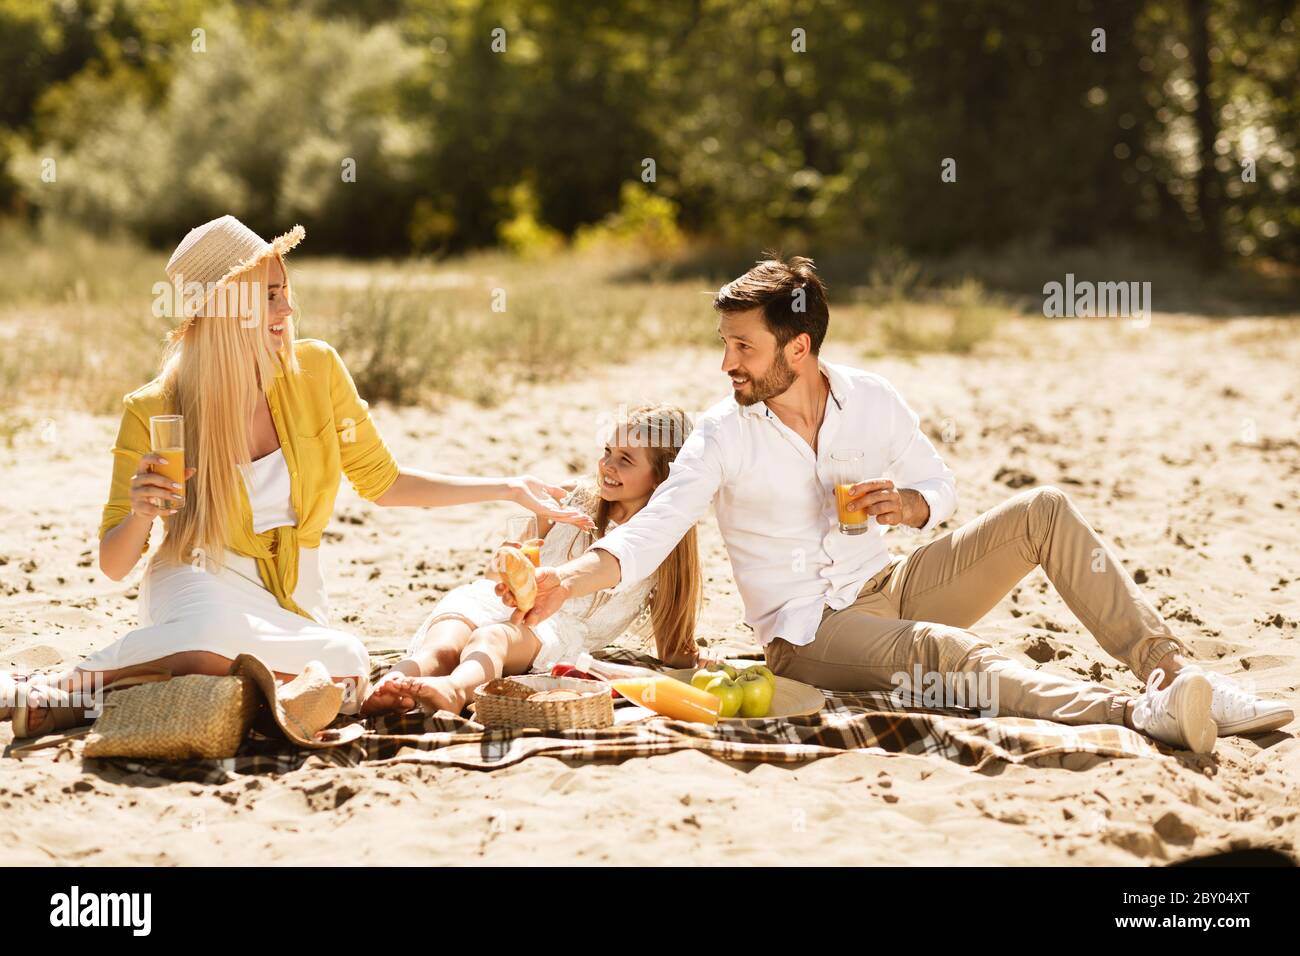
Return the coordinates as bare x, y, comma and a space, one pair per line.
847, 517
532, 550
175, 470
670, 697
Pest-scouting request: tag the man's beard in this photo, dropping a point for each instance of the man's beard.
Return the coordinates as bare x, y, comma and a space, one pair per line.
778, 378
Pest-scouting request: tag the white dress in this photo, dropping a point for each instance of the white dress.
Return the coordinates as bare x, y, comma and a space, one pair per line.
189, 607
569, 631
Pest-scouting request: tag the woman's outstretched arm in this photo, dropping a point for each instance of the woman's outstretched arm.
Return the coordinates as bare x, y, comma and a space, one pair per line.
423, 489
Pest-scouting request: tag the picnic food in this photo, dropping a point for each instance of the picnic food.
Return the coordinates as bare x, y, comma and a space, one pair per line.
728, 692
756, 691
747, 693
654, 691
568, 670
702, 677
505, 687
721, 667
511, 566
558, 694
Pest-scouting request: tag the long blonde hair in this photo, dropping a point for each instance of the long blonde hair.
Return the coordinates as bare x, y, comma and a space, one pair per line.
213, 368
678, 591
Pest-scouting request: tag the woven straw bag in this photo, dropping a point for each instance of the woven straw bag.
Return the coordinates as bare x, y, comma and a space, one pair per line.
185, 718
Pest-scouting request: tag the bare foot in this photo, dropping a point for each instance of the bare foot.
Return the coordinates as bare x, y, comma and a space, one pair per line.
386, 698
433, 693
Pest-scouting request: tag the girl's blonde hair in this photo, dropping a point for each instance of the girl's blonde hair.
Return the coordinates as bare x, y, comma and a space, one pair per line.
213, 369
678, 591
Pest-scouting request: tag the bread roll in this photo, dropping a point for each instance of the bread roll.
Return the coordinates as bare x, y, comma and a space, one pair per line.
557, 694
512, 567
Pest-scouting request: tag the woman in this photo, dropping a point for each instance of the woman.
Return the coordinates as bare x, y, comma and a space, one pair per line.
468, 638
270, 425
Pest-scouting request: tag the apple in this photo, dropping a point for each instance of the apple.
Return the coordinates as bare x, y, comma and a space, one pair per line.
760, 669
727, 691
702, 677
756, 693
721, 667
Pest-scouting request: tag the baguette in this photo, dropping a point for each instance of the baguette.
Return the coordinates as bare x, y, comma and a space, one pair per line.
509, 565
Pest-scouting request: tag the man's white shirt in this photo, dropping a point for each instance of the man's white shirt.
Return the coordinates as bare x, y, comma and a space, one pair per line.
775, 505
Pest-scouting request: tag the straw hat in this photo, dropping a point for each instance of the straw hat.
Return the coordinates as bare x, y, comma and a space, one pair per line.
218, 251
303, 707
204, 717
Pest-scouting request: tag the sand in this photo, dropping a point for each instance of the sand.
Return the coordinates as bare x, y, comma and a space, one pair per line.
1177, 442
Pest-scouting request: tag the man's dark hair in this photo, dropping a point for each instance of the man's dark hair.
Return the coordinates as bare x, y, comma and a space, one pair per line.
790, 294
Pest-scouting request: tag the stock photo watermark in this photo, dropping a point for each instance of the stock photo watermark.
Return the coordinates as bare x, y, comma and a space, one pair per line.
965, 690
1084, 299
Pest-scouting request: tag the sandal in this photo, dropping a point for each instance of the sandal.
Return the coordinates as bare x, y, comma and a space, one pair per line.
59, 711
18, 678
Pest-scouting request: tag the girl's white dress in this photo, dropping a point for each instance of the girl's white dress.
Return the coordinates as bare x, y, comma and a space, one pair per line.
189, 607
566, 633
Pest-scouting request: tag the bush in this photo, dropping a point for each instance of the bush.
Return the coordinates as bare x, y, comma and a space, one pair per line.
644, 222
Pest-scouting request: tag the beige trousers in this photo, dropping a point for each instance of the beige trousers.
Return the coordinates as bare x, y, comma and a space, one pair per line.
914, 615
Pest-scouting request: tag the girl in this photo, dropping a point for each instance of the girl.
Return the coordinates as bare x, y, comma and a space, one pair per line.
270, 426
468, 638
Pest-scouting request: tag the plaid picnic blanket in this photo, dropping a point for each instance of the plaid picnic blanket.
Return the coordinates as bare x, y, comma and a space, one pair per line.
857, 721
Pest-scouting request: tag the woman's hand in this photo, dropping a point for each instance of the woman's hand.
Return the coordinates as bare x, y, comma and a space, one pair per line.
150, 491
541, 499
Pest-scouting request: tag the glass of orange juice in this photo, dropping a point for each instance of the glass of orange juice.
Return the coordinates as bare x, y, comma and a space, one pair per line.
847, 469
524, 530
167, 438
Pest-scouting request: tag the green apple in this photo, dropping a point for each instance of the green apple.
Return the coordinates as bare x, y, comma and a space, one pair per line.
760, 669
757, 693
720, 667
727, 691
702, 677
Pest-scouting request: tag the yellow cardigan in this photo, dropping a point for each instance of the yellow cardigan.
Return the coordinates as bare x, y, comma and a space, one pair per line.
325, 431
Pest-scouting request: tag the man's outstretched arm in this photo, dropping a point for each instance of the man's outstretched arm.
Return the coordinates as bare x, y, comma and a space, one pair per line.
593, 571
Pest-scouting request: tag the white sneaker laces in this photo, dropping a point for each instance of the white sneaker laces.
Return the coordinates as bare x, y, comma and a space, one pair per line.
1147, 706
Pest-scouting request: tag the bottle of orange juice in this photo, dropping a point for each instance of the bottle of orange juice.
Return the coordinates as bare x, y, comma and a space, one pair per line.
655, 691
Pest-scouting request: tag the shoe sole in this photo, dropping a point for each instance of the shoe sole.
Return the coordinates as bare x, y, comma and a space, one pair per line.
1258, 725
1191, 706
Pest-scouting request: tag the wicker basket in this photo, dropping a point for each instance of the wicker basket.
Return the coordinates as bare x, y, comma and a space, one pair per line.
594, 709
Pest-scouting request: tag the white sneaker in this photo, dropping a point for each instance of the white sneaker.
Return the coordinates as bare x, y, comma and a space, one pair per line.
1238, 711
1179, 715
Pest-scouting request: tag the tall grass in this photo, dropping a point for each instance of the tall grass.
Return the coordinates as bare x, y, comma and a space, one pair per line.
76, 327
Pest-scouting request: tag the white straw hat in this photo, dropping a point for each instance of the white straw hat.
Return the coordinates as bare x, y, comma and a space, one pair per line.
218, 251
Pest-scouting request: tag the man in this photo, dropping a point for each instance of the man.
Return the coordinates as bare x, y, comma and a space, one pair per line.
836, 610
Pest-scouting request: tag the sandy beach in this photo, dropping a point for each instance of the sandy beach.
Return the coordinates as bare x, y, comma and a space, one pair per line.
1177, 442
